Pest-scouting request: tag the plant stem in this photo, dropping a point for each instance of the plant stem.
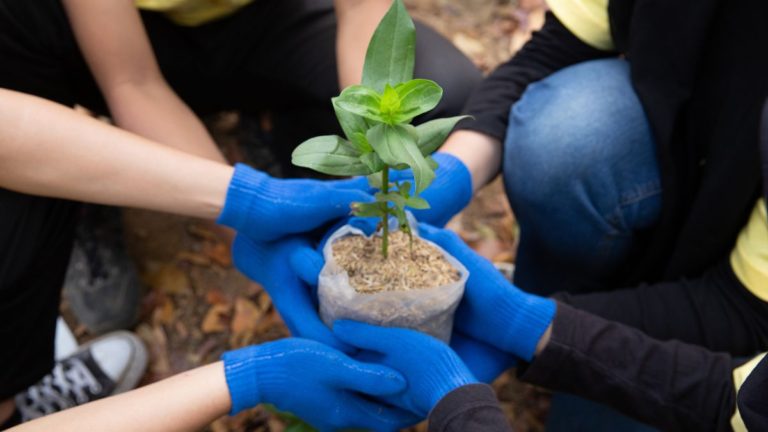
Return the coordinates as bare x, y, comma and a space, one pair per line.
385, 218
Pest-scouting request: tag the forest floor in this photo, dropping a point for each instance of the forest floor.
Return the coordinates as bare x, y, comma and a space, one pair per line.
196, 305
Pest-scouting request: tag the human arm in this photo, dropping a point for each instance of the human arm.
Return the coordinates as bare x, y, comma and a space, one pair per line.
78, 158
186, 402
356, 22
671, 385
724, 309
478, 142
332, 398
471, 156
50, 150
715, 311
118, 51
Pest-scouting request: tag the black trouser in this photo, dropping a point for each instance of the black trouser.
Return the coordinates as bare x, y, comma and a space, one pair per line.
277, 55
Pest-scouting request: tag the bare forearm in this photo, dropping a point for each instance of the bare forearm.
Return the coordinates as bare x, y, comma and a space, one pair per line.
479, 152
154, 111
185, 402
117, 49
357, 20
50, 150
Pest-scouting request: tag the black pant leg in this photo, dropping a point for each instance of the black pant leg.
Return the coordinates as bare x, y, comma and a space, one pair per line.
38, 56
36, 236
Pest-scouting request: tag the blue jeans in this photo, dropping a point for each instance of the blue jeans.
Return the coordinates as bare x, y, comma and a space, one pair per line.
581, 174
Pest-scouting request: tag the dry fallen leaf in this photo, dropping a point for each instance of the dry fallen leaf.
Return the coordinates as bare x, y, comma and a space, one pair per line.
470, 46
170, 280
505, 256
216, 318
247, 316
201, 232
194, 258
157, 343
215, 296
218, 253
164, 314
488, 248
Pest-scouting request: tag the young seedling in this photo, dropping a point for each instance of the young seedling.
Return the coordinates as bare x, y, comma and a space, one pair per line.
375, 117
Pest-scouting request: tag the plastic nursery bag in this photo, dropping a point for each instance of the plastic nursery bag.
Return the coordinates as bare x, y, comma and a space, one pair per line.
427, 310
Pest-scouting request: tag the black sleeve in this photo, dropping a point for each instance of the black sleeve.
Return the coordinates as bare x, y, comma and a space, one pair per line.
753, 398
470, 408
669, 385
714, 311
550, 49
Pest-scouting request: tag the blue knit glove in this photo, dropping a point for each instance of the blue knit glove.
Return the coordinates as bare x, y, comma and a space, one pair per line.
288, 270
485, 361
317, 383
448, 194
431, 368
493, 310
266, 208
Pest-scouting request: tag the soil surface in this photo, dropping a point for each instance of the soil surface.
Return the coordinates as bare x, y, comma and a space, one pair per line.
196, 305
405, 268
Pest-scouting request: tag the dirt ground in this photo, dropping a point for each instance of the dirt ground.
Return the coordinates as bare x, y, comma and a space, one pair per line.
196, 305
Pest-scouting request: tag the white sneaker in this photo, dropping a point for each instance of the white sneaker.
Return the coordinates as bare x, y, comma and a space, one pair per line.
111, 364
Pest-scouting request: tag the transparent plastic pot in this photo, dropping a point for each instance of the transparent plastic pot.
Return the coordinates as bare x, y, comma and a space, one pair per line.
427, 310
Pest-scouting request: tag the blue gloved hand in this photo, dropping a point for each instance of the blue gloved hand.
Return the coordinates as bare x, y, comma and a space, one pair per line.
493, 310
288, 270
485, 361
317, 383
266, 208
448, 194
431, 368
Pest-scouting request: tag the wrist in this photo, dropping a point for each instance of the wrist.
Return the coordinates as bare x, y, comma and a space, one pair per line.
240, 371
480, 153
456, 172
524, 320
244, 188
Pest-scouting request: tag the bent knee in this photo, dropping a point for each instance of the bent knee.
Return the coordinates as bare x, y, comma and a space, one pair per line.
581, 119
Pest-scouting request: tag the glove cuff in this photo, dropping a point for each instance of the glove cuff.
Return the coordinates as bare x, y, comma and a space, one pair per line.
240, 368
526, 318
245, 185
462, 183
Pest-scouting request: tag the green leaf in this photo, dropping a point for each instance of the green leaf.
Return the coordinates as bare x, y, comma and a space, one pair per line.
396, 146
373, 162
404, 189
330, 154
353, 125
432, 163
418, 203
416, 97
402, 219
374, 209
361, 142
361, 101
374, 180
432, 134
390, 104
299, 426
391, 52
392, 197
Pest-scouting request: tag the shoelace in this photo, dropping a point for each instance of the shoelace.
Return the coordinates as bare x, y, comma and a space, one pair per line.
66, 386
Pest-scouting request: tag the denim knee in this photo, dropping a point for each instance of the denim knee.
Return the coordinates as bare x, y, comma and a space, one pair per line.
580, 137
